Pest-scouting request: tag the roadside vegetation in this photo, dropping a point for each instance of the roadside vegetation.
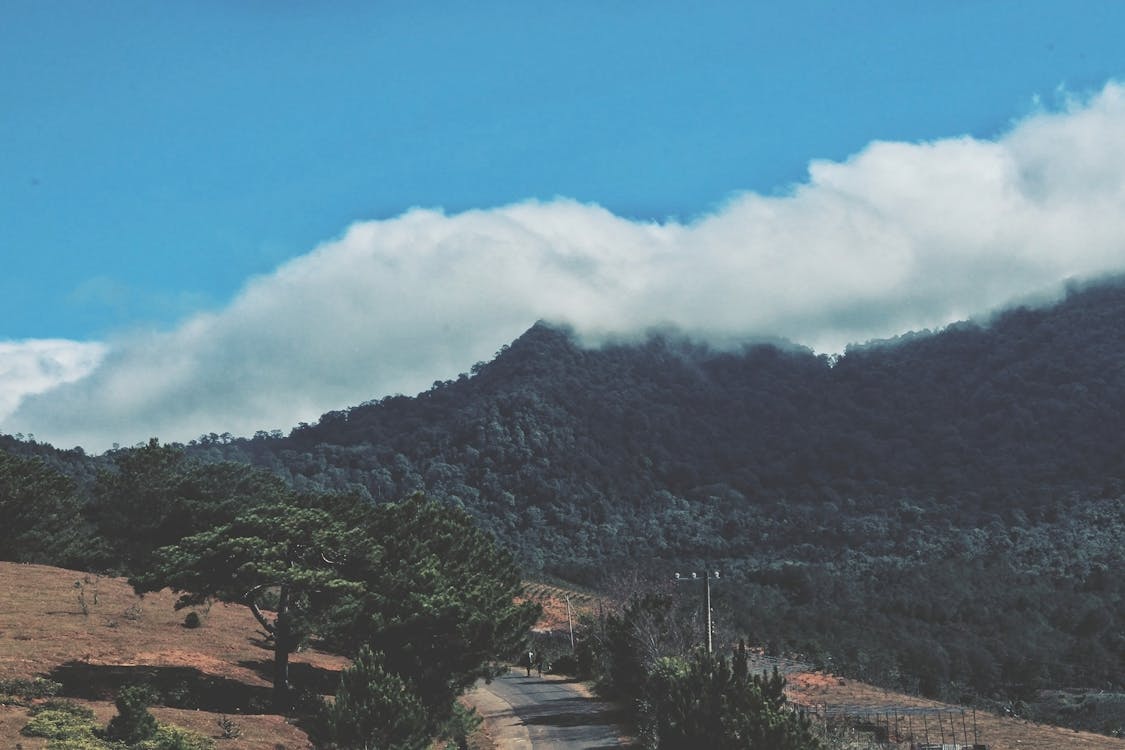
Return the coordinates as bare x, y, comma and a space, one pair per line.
681, 696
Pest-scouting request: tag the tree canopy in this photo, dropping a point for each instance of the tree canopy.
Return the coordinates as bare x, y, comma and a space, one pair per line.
415, 580
279, 549
41, 512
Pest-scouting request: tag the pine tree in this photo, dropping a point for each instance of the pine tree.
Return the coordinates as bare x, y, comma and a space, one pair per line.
375, 709
133, 722
715, 702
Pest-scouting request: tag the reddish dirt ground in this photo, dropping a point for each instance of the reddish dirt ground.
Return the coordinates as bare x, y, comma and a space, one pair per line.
553, 601
44, 626
998, 732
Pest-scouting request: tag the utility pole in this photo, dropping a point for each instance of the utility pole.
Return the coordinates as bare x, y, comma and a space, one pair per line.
569, 622
706, 600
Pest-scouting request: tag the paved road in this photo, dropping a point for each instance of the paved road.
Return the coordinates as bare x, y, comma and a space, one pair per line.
546, 712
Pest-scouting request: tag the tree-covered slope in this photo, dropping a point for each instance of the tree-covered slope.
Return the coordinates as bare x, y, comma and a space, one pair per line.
667, 447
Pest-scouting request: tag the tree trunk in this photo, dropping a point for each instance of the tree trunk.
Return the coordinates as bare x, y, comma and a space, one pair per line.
281, 647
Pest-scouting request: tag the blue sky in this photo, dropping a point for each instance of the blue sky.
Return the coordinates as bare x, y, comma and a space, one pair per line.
162, 161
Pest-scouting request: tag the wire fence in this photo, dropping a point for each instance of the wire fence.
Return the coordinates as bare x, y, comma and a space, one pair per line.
785, 667
894, 727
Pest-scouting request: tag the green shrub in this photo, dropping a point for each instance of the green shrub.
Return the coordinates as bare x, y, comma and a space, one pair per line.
566, 664
63, 706
716, 702
83, 742
229, 729
133, 722
69, 726
463, 722
62, 724
170, 737
375, 708
192, 620
28, 689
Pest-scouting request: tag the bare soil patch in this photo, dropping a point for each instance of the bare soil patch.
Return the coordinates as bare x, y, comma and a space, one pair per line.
553, 600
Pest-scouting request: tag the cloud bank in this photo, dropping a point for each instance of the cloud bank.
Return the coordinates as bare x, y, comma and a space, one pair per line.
37, 366
900, 236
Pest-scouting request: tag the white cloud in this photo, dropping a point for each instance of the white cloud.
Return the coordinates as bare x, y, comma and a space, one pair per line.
900, 236
38, 365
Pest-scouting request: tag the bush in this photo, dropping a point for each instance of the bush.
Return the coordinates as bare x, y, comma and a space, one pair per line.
229, 729
169, 737
71, 727
715, 702
133, 722
566, 664
67, 726
63, 706
374, 708
461, 725
83, 742
29, 689
192, 620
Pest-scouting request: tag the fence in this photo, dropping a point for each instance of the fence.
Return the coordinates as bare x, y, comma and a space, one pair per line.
895, 726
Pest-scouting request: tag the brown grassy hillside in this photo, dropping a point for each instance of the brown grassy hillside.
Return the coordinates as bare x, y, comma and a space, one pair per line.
93, 635
998, 732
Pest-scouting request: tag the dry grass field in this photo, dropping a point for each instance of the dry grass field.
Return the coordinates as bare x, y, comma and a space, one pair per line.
998, 732
93, 635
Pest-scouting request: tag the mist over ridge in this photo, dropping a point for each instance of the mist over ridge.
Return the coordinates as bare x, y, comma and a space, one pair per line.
899, 237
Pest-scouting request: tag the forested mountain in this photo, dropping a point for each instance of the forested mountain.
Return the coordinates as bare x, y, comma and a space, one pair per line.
667, 447
943, 511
